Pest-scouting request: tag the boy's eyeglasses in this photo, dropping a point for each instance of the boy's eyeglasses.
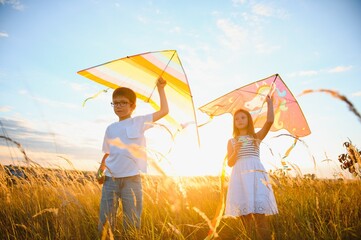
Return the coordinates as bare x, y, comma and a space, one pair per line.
119, 104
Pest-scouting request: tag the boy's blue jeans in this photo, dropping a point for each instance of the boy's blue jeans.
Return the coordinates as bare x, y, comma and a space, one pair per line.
129, 191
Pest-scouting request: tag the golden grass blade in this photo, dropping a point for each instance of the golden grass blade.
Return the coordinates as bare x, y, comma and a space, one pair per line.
335, 94
18, 145
175, 230
204, 216
49, 210
221, 204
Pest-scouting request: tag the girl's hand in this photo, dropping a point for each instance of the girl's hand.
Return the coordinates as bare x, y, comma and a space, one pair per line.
237, 146
269, 99
233, 149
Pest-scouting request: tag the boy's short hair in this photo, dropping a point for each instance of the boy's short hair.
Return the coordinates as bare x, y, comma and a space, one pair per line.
125, 92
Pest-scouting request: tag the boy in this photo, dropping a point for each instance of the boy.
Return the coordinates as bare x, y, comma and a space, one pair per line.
124, 156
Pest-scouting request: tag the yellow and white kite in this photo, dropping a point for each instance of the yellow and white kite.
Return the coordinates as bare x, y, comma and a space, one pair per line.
141, 72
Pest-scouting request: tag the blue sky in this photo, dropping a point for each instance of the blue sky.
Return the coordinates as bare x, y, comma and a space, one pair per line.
223, 45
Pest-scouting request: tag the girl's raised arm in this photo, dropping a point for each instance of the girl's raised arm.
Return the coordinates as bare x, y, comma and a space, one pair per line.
261, 134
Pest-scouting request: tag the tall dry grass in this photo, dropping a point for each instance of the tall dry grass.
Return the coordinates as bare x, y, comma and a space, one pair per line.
64, 205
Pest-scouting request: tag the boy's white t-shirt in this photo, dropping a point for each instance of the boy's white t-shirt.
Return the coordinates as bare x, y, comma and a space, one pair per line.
125, 143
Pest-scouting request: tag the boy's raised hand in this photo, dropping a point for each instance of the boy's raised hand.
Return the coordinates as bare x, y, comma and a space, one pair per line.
161, 82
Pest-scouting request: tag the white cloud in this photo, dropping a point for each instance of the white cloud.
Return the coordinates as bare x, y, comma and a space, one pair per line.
142, 19
52, 103
17, 5
176, 30
303, 73
268, 11
45, 159
5, 108
308, 73
49, 102
340, 69
264, 48
3, 34
234, 36
251, 18
23, 91
239, 2
41, 143
356, 94
77, 86
263, 10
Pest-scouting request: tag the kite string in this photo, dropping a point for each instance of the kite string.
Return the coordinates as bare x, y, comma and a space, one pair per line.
272, 87
270, 94
151, 94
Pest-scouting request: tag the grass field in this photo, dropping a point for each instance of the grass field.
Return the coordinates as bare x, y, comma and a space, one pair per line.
64, 205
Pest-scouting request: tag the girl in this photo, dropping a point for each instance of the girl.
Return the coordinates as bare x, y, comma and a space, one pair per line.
250, 195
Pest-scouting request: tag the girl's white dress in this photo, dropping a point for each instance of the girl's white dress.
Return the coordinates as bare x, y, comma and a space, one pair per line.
249, 189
